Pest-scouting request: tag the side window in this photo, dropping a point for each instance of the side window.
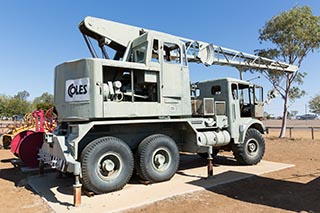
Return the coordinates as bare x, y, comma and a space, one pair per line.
172, 53
155, 51
234, 90
139, 53
258, 94
216, 90
246, 94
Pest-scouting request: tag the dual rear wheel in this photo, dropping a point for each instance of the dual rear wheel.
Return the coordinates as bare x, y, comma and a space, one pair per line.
108, 162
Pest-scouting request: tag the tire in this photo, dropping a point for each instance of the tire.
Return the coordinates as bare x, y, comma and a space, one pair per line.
204, 155
107, 165
157, 158
251, 151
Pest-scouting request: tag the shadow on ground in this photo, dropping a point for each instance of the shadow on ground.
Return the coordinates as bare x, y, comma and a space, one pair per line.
282, 194
13, 174
20, 179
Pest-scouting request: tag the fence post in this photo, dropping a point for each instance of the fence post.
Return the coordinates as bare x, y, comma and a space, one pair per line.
290, 132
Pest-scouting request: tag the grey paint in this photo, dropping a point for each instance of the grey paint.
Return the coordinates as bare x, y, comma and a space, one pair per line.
146, 90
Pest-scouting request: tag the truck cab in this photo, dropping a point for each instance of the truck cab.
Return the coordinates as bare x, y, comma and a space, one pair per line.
241, 101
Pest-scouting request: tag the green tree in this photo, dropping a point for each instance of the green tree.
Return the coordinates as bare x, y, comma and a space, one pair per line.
22, 95
3, 105
16, 105
295, 33
45, 101
314, 104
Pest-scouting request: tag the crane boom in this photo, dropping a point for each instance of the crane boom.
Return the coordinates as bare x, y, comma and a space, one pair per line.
118, 36
210, 54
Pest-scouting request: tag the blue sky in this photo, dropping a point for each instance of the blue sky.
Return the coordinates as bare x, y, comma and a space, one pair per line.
37, 35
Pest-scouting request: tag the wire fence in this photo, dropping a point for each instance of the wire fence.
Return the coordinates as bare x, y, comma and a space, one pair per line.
293, 132
296, 132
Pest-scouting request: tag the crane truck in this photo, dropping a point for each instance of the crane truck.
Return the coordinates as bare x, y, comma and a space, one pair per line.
138, 109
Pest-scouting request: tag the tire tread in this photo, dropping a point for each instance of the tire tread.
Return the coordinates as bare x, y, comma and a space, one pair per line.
141, 155
85, 161
239, 151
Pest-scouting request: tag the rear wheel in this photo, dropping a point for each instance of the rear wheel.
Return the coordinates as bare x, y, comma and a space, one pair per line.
157, 158
251, 151
107, 165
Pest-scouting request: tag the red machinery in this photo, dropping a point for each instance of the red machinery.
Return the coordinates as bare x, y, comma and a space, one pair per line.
26, 144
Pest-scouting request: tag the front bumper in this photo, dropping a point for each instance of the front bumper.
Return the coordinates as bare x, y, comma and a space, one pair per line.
56, 153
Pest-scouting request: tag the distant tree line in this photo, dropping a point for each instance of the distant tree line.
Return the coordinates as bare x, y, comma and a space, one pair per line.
18, 105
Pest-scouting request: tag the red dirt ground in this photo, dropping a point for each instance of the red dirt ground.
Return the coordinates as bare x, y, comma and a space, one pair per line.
296, 189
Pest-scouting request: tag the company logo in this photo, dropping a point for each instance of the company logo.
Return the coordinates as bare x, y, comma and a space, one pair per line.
77, 90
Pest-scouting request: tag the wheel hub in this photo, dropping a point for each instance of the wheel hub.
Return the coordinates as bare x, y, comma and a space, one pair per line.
252, 147
159, 160
108, 165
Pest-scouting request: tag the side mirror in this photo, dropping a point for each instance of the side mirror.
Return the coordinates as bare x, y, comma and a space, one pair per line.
271, 95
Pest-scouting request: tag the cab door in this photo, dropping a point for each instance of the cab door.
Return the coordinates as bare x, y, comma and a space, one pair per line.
258, 102
172, 70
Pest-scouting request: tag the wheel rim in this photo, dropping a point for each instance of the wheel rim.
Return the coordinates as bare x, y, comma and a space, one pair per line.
109, 166
161, 159
252, 147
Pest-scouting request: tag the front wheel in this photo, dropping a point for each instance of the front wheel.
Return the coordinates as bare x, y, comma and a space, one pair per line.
107, 165
251, 151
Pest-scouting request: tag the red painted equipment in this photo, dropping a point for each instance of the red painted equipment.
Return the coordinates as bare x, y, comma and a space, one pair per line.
17, 140
29, 148
15, 129
26, 144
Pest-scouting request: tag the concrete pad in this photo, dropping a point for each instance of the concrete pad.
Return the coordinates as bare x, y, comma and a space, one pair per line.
191, 177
